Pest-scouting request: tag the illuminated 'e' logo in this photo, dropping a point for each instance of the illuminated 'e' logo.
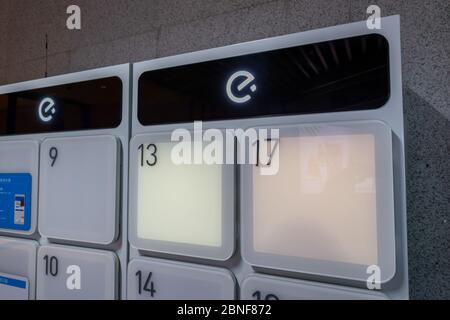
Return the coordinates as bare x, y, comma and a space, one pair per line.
249, 78
47, 109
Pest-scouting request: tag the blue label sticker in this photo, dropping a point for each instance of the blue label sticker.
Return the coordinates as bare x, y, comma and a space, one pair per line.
13, 287
13, 282
15, 201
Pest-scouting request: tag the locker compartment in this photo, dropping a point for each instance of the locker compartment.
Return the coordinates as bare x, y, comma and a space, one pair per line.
79, 187
72, 273
19, 179
261, 287
179, 208
17, 269
329, 210
168, 280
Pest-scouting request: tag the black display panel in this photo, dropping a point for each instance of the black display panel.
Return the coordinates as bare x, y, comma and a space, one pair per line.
333, 76
86, 105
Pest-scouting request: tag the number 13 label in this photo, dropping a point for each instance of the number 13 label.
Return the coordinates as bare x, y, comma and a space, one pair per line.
148, 155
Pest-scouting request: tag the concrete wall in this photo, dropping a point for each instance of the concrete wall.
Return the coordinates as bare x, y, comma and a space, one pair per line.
118, 31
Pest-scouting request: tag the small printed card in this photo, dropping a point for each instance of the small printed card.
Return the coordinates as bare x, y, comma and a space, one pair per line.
15, 201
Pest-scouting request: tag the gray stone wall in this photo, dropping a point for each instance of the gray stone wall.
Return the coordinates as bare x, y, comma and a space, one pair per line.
119, 31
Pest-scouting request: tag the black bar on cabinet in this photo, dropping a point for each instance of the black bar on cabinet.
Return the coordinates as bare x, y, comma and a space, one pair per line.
333, 76
85, 105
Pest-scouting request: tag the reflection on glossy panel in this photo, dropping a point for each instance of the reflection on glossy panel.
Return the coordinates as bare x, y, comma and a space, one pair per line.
324, 198
329, 211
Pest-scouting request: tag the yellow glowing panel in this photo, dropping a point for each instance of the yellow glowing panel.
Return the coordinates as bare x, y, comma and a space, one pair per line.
322, 203
179, 203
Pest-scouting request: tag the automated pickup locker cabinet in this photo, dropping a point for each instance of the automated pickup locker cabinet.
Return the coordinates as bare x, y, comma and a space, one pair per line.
319, 201
63, 176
